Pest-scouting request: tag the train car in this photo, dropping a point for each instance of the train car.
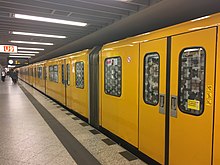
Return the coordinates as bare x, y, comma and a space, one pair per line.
55, 86
21, 73
69, 74
30, 75
40, 78
34, 75
157, 92
77, 82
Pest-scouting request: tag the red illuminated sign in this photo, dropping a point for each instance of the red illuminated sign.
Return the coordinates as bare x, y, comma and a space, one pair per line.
8, 49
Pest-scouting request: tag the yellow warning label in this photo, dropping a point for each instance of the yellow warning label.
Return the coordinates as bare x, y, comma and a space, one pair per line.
209, 95
194, 104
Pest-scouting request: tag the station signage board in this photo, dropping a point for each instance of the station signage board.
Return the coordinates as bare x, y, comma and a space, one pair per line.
8, 49
18, 61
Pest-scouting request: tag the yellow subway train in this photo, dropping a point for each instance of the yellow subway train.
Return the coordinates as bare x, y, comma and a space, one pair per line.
158, 92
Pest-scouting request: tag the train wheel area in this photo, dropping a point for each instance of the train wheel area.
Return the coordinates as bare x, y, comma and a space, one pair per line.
36, 130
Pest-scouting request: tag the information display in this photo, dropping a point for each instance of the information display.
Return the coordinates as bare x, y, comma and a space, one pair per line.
18, 61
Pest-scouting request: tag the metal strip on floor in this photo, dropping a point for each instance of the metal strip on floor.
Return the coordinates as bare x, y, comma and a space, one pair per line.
78, 152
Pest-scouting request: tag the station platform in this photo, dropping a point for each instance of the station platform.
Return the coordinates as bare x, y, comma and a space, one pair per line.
36, 130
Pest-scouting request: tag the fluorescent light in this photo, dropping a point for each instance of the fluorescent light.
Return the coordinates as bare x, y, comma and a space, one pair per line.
37, 34
21, 54
27, 52
27, 42
24, 48
124, 0
51, 20
201, 18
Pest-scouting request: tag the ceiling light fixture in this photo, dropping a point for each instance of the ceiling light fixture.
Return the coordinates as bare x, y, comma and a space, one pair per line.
51, 20
27, 42
124, 0
28, 52
24, 48
21, 54
37, 34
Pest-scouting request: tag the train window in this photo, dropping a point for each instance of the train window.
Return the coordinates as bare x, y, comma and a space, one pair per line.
80, 74
45, 73
39, 72
151, 78
63, 76
191, 80
31, 72
68, 73
55, 73
113, 76
51, 73
34, 72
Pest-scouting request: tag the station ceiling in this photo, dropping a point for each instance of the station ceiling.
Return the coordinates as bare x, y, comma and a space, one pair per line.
96, 13
107, 20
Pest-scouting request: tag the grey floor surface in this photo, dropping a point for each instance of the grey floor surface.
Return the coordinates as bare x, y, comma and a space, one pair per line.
25, 138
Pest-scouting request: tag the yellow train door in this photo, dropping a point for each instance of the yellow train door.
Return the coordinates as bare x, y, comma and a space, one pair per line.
120, 80
216, 150
191, 97
152, 98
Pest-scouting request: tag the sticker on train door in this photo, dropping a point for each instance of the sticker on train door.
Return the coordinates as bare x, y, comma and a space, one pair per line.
193, 104
129, 59
209, 95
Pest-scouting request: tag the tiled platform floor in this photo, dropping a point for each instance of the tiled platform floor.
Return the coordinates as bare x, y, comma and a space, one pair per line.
25, 137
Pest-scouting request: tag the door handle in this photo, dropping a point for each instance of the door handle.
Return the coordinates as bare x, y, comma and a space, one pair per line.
162, 104
173, 106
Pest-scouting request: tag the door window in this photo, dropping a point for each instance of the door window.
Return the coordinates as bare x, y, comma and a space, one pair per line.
80, 74
51, 73
151, 78
68, 73
55, 73
63, 76
39, 72
192, 80
113, 76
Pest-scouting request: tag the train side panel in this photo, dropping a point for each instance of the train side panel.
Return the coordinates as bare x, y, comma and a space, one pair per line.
119, 86
34, 75
216, 159
77, 88
152, 98
40, 77
54, 87
191, 109
30, 74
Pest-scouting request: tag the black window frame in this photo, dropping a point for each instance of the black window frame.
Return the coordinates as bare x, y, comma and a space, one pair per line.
121, 76
50, 73
39, 72
158, 100
56, 71
179, 84
63, 74
83, 74
68, 74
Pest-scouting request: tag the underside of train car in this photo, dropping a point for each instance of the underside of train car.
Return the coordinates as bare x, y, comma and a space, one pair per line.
158, 92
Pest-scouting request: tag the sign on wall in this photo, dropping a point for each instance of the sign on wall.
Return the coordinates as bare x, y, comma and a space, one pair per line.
18, 61
8, 49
